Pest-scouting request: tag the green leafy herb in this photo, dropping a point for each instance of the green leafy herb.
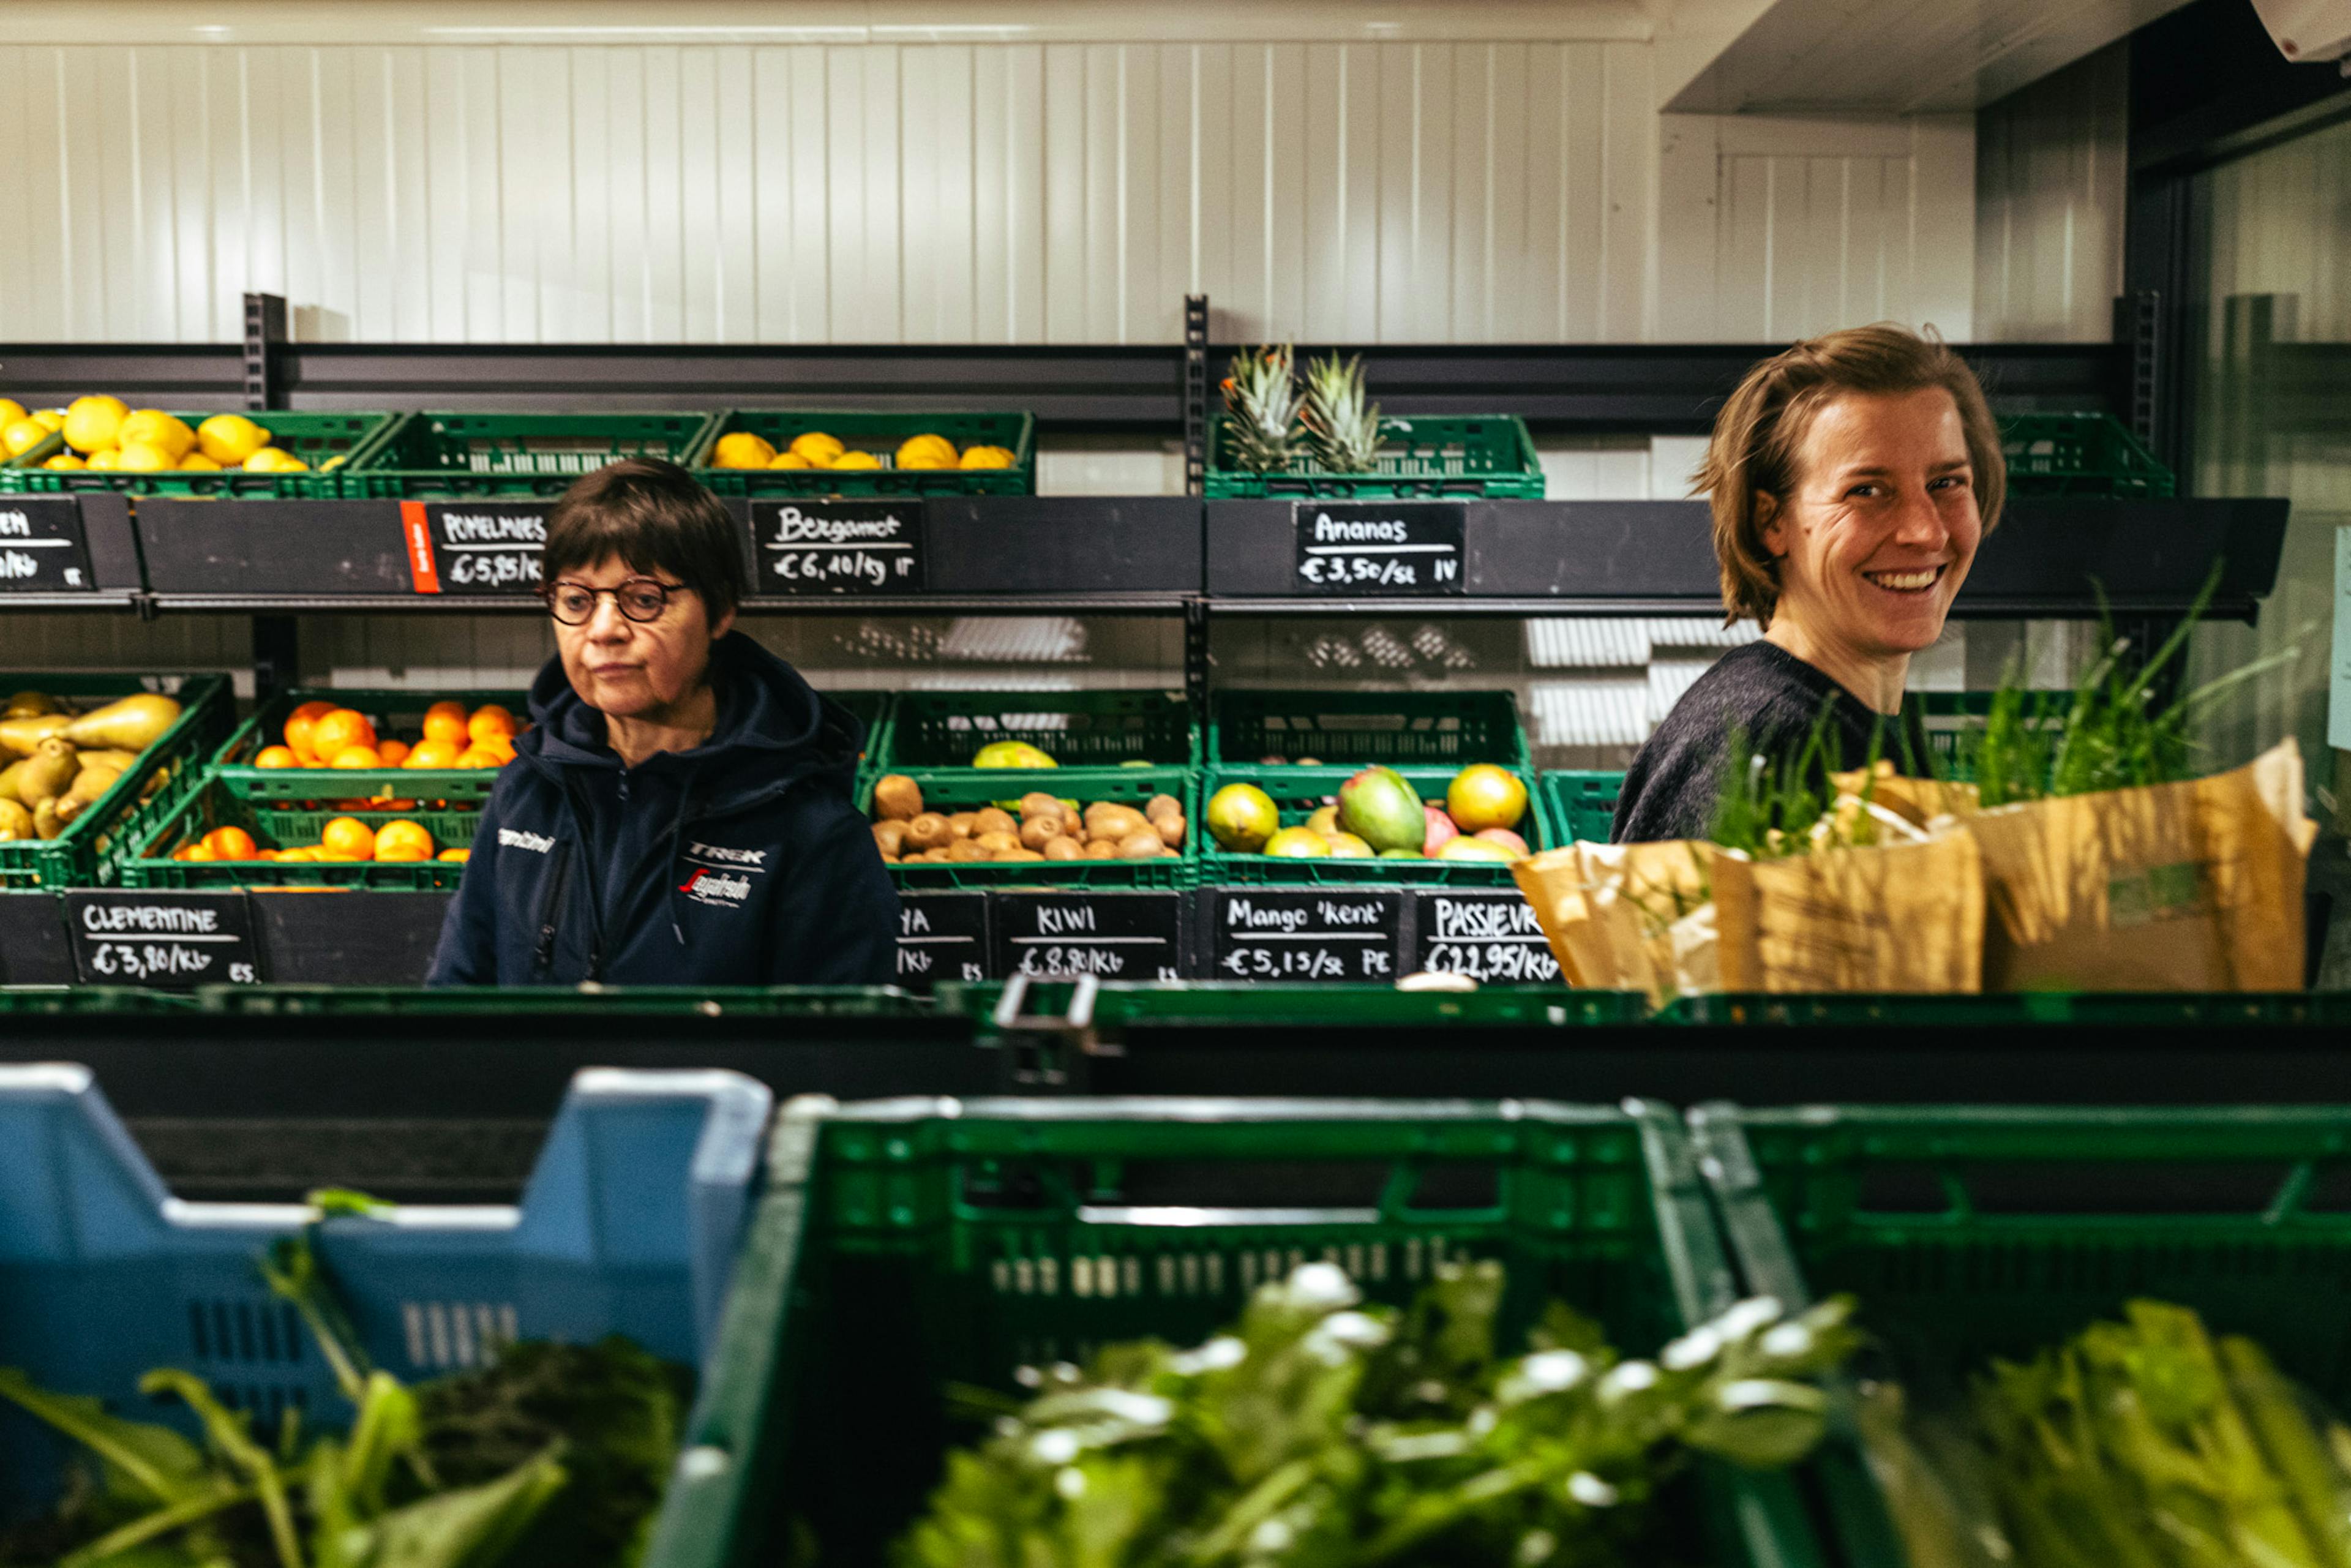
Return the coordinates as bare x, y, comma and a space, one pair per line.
1324, 1432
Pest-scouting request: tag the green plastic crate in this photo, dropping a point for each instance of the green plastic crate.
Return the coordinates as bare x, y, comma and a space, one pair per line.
1969, 1232
2330, 1010
881, 434
1223, 1003
328, 442
1299, 791
429, 456
2080, 454
905, 1245
1486, 454
1077, 729
873, 710
956, 789
51, 1001
1248, 728
275, 826
648, 1001
1582, 805
399, 713
90, 852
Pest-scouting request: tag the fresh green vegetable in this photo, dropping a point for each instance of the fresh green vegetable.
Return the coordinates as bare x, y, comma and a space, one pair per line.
1772, 808
2145, 1441
1324, 1432
459, 1472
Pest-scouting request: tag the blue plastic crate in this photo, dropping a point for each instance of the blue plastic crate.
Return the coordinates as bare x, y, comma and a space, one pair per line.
628, 1226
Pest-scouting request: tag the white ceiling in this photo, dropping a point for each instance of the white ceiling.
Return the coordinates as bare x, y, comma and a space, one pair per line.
1902, 57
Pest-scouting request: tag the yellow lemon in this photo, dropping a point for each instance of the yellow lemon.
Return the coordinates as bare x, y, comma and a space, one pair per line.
93, 423
11, 411
229, 439
49, 419
197, 462
741, 449
791, 460
20, 436
156, 428
927, 451
985, 458
270, 460
105, 457
144, 457
855, 460
64, 462
818, 447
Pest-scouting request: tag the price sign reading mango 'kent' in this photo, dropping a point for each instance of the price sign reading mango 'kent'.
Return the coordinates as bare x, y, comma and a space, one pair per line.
839, 547
1492, 937
475, 547
1287, 935
1370, 549
1116, 935
162, 940
42, 549
941, 937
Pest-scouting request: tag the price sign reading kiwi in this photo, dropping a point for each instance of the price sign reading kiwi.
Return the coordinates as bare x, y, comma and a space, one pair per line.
1116, 935
1371, 549
1283, 934
839, 547
942, 937
475, 547
162, 939
1492, 937
42, 549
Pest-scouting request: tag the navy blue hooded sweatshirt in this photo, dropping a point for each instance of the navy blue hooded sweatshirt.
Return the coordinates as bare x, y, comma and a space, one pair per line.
741, 862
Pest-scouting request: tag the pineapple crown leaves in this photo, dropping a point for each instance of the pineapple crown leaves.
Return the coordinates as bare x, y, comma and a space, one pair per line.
1341, 426
1263, 400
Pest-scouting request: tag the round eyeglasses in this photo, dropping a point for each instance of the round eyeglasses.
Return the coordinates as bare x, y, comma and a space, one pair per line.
640, 599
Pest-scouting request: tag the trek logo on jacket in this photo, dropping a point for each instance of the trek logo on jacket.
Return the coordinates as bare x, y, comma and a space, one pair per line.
743, 862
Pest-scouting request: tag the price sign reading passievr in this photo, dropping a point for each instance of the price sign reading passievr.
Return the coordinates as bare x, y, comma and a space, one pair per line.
1405, 549
1283, 934
162, 939
839, 547
42, 548
475, 547
1492, 937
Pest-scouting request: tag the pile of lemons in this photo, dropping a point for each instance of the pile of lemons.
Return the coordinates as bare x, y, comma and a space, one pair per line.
815, 449
106, 433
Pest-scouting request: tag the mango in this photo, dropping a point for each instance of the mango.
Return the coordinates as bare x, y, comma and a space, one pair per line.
1378, 807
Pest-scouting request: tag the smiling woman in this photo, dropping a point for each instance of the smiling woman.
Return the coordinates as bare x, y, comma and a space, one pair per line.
1851, 479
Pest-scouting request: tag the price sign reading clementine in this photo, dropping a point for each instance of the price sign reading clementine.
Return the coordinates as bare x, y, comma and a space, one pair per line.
1402, 549
162, 939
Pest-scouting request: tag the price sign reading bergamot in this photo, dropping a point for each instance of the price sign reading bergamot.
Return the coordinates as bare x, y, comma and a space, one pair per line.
1401, 549
839, 547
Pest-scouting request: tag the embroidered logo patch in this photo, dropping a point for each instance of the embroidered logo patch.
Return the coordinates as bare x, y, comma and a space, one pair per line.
716, 888
720, 856
516, 839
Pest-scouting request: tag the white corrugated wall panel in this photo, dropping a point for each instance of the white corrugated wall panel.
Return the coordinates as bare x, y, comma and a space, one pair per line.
879, 192
2051, 167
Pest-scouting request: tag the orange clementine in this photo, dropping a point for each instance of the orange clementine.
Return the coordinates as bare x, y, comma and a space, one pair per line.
454, 857
339, 730
230, 843
393, 752
264, 854
301, 740
403, 840
356, 756
434, 752
446, 721
276, 757
498, 746
329, 857
349, 836
475, 756
489, 721
196, 852
302, 854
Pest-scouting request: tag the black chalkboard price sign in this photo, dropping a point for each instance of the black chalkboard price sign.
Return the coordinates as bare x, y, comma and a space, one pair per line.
1407, 549
162, 939
475, 547
942, 937
1117, 936
42, 548
1490, 936
1298, 934
839, 547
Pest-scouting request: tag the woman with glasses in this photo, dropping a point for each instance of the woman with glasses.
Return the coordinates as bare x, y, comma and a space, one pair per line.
679, 811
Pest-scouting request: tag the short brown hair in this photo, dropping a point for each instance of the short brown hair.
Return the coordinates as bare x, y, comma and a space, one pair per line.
1758, 432
653, 516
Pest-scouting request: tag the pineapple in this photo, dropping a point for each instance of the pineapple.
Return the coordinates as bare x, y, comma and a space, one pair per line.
1262, 402
1342, 433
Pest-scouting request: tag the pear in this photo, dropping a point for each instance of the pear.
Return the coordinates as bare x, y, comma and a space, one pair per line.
132, 724
16, 822
46, 824
28, 704
98, 757
47, 774
18, 737
88, 786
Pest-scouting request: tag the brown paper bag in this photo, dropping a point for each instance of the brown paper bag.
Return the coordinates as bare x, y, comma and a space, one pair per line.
1607, 910
1901, 917
2195, 886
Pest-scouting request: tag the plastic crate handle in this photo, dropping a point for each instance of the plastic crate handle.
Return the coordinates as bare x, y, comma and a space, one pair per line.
1766, 1262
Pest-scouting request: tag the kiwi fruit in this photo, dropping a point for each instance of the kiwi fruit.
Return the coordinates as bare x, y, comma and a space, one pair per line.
1064, 847
1143, 844
963, 850
1171, 827
1102, 850
993, 820
1018, 855
889, 837
962, 823
1038, 832
1037, 803
1115, 823
996, 843
898, 797
1164, 806
929, 831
